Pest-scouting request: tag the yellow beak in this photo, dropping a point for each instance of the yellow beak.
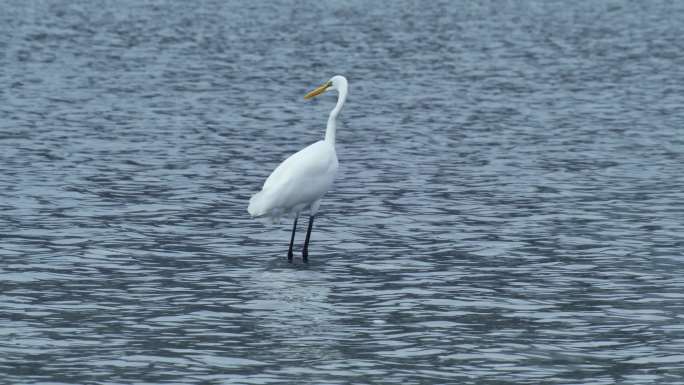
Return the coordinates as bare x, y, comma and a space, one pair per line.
318, 90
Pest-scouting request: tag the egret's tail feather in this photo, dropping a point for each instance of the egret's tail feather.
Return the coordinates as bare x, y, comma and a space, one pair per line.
258, 206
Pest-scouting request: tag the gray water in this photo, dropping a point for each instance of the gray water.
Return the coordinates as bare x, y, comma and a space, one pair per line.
509, 207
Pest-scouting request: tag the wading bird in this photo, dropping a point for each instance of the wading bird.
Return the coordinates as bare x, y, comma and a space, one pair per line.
300, 181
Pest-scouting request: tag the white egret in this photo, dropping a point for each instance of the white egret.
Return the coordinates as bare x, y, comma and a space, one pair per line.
301, 180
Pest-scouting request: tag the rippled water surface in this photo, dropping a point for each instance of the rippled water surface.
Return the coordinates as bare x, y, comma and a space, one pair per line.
509, 207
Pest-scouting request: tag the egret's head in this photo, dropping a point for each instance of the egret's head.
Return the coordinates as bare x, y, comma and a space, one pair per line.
337, 83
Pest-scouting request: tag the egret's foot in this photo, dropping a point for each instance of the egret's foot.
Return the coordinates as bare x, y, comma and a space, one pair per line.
305, 256
289, 256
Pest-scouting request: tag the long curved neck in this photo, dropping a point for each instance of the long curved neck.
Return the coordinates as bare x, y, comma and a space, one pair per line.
332, 124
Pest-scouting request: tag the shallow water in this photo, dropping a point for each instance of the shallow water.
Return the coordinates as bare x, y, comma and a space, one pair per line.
509, 207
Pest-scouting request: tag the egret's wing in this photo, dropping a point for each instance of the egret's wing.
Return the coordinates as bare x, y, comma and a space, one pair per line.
308, 164
298, 181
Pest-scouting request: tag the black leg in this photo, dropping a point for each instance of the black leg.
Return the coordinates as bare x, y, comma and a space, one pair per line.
294, 229
305, 251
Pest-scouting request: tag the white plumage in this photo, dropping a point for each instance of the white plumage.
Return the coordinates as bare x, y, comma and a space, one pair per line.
297, 184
